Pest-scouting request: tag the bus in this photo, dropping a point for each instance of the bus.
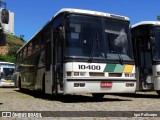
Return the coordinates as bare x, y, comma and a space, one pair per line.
146, 42
7, 74
77, 52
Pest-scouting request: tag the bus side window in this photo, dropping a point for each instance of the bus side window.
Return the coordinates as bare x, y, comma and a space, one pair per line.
42, 41
35, 45
21, 55
29, 52
48, 50
25, 52
18, 57
48, 55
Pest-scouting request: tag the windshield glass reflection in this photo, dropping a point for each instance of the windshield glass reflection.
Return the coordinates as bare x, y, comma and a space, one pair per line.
113, 38
156, 47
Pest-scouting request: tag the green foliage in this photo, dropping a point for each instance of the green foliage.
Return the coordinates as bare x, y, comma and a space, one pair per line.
158, 17
12, 50
7, 58
14, 40
14, 44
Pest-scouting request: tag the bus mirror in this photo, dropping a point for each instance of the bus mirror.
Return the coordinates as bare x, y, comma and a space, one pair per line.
153, 43
60, 32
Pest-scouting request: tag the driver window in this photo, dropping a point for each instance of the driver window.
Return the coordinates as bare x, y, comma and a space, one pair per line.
74, 40
75, 30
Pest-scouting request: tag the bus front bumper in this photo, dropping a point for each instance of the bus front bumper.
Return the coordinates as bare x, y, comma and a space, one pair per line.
4, 84
73, 86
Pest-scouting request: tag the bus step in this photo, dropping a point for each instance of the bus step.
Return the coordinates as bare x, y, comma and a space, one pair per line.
147, 86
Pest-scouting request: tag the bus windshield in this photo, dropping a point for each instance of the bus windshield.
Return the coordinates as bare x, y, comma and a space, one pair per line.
101, 38
156, 49
7, 73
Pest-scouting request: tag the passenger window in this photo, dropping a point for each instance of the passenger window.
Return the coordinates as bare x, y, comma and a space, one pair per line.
29, 49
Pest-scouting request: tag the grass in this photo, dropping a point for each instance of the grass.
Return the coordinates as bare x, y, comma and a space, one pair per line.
14, 40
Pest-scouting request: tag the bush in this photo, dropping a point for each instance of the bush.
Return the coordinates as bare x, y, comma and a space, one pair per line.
12, 50
14, 44
7, 58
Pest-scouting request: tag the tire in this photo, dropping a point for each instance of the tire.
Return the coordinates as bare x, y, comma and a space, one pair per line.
19, 84
98, 96
43, 85
158, 92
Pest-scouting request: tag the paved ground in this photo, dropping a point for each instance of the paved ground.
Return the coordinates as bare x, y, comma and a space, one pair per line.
11, 99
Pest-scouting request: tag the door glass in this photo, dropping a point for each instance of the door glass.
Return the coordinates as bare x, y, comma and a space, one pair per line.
48, 55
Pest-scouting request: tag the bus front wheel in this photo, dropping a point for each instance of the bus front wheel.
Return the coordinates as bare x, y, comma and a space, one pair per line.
19, 84
43, 85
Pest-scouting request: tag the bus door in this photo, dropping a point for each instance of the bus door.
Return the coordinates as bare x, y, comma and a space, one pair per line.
48, 63
57, 62
144, 62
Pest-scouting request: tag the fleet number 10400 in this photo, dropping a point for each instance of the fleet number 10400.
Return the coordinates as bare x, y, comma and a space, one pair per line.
89, 67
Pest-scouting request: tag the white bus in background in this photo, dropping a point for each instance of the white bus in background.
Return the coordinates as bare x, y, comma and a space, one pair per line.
146, 45
79, 51
7, 74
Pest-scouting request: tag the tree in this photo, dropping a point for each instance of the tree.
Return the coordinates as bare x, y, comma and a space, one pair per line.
158, 17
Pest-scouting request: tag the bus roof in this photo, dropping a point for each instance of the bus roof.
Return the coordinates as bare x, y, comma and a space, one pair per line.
89, 12
85, 12
80, 11
6, 63
146, 23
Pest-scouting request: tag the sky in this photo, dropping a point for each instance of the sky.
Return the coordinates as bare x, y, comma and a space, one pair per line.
32, 15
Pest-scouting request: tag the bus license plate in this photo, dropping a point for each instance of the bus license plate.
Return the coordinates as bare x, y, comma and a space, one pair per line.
106, 84
8, 81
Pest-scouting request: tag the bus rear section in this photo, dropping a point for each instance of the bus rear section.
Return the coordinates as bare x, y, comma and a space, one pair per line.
6, 74
146, 42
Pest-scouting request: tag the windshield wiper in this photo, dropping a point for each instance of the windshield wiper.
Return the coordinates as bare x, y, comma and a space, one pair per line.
114, 51
94, 47
120, 59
